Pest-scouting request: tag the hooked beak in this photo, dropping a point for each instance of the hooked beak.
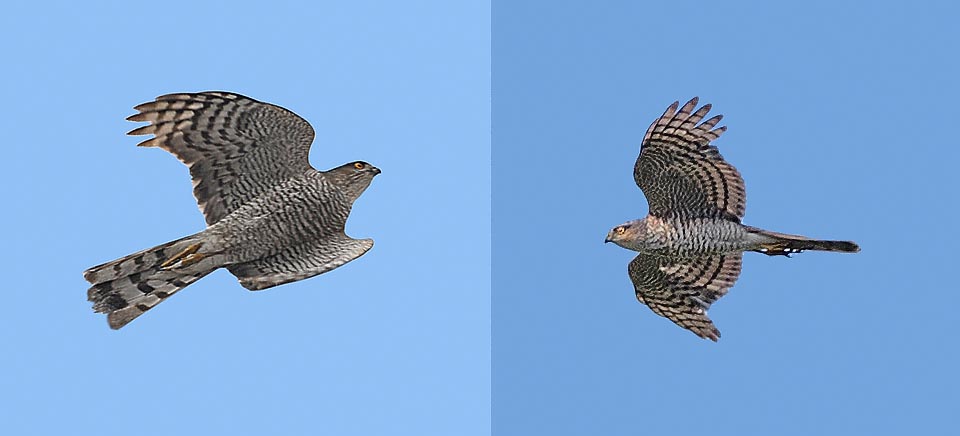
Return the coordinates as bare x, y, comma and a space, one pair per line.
376, 171
607, 239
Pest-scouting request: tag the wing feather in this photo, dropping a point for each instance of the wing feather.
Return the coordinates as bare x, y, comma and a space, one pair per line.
300, 262
236, 147
682, 289
682, 174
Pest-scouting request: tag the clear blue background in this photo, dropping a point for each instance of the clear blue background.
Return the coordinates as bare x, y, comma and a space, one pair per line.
396, 342
842, 121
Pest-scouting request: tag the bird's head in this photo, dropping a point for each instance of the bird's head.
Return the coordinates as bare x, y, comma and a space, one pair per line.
626, 234
353, 178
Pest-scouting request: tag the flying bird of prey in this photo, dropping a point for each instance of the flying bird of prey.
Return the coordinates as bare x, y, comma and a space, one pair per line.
691, 242
271, 217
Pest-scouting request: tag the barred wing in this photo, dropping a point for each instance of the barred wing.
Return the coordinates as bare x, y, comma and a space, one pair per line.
681, 174
236, 147
682, 289
300, 262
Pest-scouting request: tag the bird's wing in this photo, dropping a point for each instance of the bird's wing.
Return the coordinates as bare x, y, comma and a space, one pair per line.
300, 262
681, 174
682, 289
236, 147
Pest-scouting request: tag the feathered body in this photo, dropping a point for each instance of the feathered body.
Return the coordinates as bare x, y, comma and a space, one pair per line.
692, 241
271, 217
688, 238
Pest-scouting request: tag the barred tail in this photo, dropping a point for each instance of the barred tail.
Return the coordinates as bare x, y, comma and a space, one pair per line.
784, 244
127, 287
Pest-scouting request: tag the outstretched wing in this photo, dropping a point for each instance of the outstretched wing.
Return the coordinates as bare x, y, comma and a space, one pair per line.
300, 262
683, 289
236, 147
681, 174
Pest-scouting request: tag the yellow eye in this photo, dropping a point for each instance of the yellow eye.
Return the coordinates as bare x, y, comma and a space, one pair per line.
358, 165
620, 230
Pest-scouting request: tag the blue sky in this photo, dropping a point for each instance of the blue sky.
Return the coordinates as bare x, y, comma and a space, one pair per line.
397, 342
840, 119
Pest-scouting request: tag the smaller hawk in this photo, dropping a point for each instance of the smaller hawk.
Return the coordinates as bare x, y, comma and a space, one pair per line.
271, 217
692, 240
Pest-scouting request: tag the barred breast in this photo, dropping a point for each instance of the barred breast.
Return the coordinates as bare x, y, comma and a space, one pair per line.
300, 209
695, 237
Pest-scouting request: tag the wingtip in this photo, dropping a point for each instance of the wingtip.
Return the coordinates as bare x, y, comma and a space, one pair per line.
142, 130
708, 331
174, 96
713, 335
714, 120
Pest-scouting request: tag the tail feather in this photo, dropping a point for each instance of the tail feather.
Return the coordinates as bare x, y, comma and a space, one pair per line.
135, 263
785, 244
127, 287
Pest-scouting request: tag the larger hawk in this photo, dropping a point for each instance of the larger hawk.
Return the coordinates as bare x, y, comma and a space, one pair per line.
271, 217
692, 240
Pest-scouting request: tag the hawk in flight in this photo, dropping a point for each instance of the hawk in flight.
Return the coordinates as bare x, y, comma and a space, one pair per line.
691, 242
271, 217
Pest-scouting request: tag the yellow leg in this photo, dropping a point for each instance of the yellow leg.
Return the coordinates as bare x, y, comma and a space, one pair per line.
188, 256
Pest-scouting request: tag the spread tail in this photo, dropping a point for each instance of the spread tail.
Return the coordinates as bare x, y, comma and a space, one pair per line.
782, 244
127, 287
